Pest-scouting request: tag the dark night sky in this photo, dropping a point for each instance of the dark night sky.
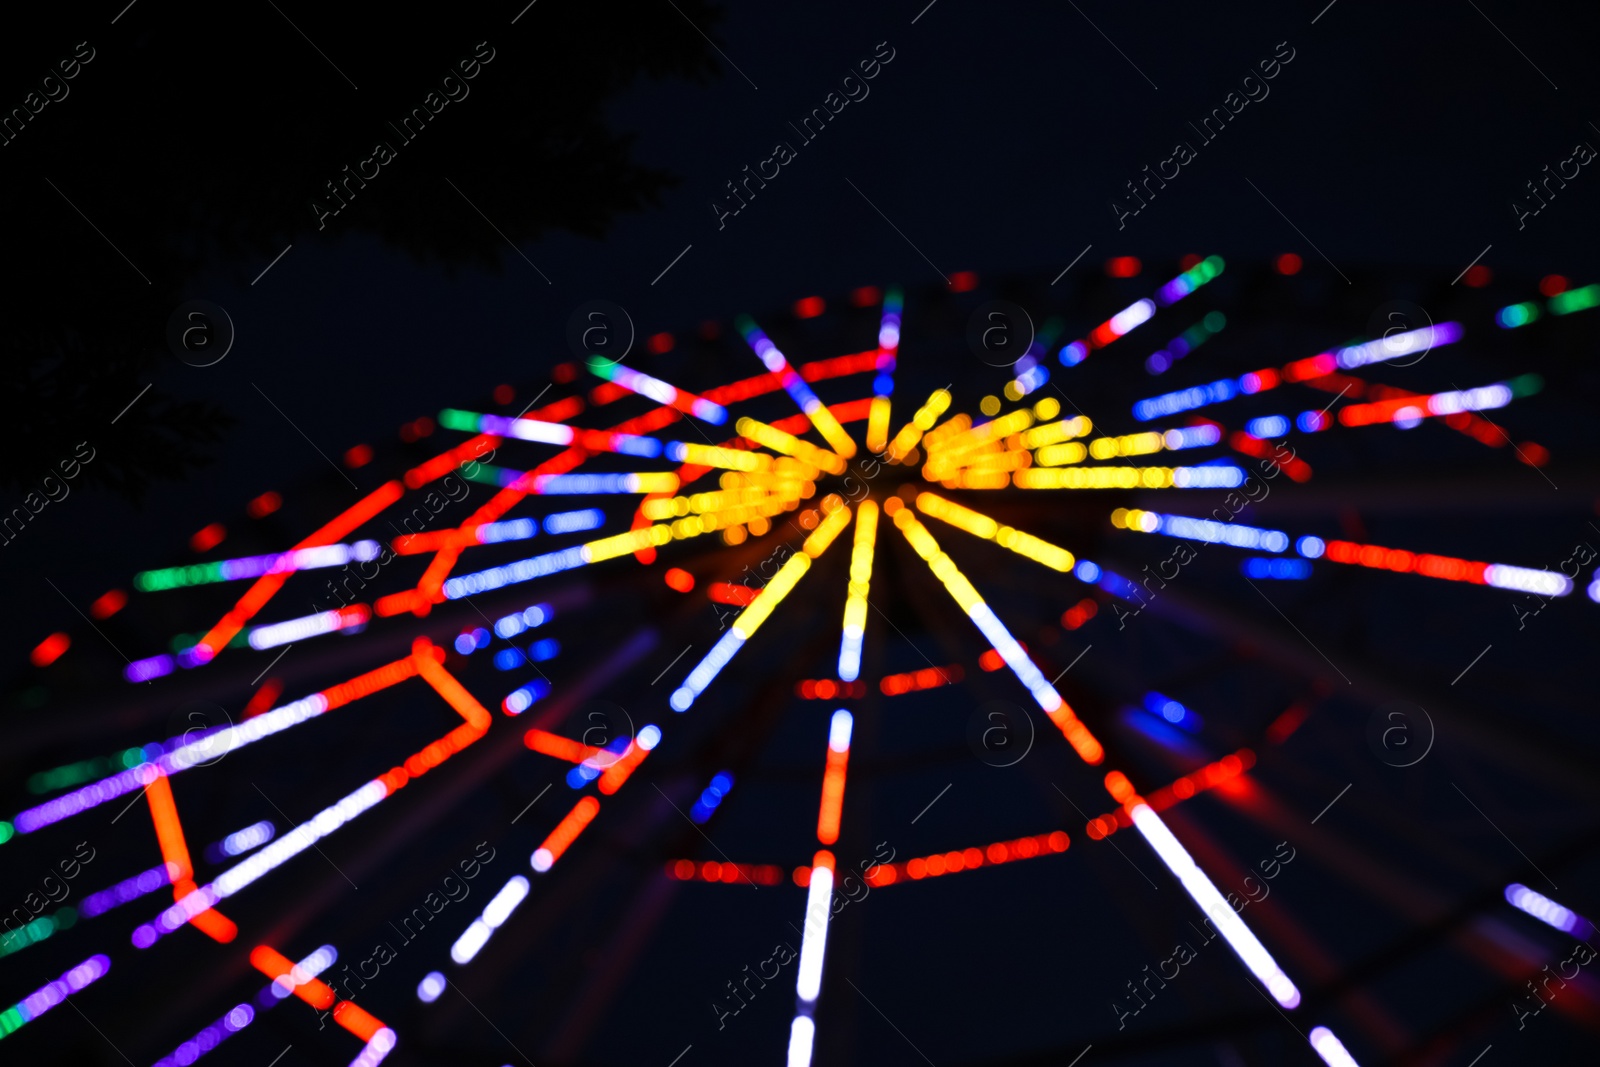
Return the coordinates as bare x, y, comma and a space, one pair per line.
1395, 140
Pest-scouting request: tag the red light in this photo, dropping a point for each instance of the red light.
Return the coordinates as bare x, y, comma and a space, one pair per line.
1534, 455
1478, 276
866, 296
809, 307
1124, 266
416, 429
1553, 285
679, 579
728, 593
962, 281
504, 394
261, 700
1189, 262
709, 330
564, 372
1289, 263
108, 604
659, 343
50, 649
209, 537
264, 505
359, 456
1080, 613
1287, 723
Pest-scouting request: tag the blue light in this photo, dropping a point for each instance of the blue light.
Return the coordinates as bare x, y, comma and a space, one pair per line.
1185, 399
465, 644
513, 530
1086, 572
1284, 569
1311, 421
572, 521
1172, 711
1227, 533
520, 700
480, 637
1310, 547
711, 797
508, 659
883, 385
1268, 426
1073, 354
540, 651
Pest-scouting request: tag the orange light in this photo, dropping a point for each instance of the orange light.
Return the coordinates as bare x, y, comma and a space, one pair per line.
356, 1020
169, 829
679, 579
264, 505
571, 825
618, 772
208, 537
276, 965
50, 649
832, 808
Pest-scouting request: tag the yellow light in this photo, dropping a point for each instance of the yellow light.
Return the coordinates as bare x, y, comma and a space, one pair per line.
734, 535
624, 543
861, 554
826, 531
924, 418
981, 525
828, 426
1133, 444
1093, 478
771, 595
656, 482
989, 405
732, 459
1049, 434
982, 480
1057, 455
789, 444
961, 518
878, 425
1046, 409
1013, 391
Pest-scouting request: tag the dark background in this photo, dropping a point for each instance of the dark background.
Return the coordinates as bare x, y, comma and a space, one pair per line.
595, 142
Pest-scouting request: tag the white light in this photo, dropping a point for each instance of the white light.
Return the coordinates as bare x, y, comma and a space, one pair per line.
1527, 580
802, 1032
244, 840
1199, 887
541, 860
505, 902
814, 941
468, 944
283, 633
649, 737
839, 731
430, 988
1398, 345
1015, 657
1131, 316
1542, 908
1330, 1048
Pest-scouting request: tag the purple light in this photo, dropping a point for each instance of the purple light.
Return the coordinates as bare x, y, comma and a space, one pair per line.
124, 891
142, 670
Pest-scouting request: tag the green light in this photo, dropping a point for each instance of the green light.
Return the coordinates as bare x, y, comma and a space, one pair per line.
456, 419
600, 367
7, 831
487, 473
1575, 300
178, 577
1214, 321
1517, 315
1525, 384
10, 1019
132, 757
